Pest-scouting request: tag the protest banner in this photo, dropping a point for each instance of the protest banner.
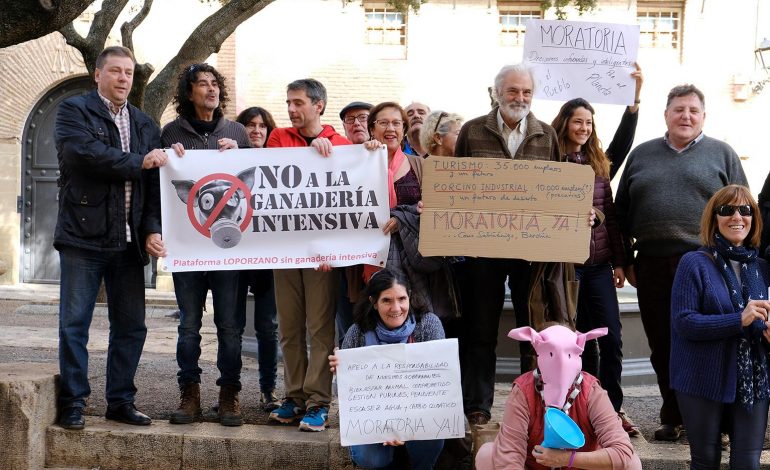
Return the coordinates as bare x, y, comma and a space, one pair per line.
500, 208
274, 208
580, 59
406, 392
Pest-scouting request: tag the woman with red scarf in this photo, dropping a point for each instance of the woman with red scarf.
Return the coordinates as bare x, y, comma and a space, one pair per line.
428, 276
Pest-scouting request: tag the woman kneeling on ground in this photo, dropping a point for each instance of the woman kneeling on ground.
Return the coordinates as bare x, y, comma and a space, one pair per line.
558, 382
384, 316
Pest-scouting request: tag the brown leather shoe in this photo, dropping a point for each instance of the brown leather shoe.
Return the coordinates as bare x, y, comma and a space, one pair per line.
668, 432
229, 406
189, 405
477, 417
628, 425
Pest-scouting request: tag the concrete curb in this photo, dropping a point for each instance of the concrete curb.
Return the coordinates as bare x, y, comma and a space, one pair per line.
110, 445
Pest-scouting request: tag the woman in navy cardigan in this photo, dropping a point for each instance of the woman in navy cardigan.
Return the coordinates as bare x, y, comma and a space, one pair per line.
719, 334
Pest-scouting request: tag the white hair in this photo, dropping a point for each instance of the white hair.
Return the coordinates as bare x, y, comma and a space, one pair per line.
512, 68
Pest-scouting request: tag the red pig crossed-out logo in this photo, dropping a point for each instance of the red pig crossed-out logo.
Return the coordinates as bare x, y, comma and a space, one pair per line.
218, 205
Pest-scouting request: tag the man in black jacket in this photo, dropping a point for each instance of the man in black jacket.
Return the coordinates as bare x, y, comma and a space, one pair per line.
108, 221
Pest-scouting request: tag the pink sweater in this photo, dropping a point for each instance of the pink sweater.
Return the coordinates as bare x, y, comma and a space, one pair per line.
509, 450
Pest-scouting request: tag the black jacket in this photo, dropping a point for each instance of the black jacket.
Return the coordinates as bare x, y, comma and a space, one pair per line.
94, 170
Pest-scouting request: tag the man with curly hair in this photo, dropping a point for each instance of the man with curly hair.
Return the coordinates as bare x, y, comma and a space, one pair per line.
200, 98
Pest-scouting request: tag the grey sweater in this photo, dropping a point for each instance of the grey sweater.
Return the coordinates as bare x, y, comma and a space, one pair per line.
427, 329
662, 194
180, 130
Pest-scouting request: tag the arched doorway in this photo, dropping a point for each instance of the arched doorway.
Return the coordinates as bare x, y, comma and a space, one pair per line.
40, 170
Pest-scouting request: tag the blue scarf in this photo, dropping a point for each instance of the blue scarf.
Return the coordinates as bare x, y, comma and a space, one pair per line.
382, 335
752, 362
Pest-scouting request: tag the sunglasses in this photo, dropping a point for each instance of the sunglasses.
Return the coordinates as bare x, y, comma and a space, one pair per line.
727, 210
438, 121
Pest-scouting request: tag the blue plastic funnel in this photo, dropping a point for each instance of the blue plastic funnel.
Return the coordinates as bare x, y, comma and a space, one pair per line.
561, 432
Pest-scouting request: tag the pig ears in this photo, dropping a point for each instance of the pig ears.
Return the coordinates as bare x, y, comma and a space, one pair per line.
525, 333
595, 333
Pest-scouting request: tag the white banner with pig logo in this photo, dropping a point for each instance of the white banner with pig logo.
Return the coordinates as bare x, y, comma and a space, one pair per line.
274, 208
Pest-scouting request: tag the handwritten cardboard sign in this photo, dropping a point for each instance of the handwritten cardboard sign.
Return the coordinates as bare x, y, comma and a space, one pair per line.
274, 208
500, 208
578, 59
406, 392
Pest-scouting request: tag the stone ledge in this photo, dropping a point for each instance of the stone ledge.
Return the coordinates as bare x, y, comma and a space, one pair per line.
110, 445
27, 407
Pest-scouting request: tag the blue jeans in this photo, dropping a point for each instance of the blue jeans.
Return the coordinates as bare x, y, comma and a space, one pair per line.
598, 307
265, 324
705, 419
229, 317
422, 454
81, 274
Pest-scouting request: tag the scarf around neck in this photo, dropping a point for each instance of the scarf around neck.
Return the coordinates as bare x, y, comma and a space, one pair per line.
381, 334
753, 381
393, 166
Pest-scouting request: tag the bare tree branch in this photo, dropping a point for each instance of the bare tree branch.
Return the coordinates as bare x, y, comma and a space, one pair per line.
127, 28
72, 37
104, 19
24, 20
205, 40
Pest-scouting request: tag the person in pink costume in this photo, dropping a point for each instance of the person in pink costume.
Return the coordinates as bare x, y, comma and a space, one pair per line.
558, 382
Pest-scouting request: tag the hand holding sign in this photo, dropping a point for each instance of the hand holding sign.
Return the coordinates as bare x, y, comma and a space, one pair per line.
576, 59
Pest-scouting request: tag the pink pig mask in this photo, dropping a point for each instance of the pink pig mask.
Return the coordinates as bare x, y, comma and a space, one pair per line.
558, 357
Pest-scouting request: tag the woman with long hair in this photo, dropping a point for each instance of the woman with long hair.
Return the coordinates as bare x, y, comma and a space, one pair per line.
259, 123
602, 272
385, 316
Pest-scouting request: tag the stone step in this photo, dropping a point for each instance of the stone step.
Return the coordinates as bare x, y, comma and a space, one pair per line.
108, 445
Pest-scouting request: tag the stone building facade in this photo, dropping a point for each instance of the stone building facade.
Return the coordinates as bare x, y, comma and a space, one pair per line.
446, 55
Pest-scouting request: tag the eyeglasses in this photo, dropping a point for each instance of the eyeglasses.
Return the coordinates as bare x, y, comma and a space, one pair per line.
384, 123
727, 210
438, 121
360, 118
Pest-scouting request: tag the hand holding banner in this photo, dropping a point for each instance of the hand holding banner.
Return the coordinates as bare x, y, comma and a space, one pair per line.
274, 208
500, 208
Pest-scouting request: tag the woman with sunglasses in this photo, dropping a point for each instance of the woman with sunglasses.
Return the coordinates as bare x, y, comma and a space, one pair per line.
602, 272
719, 311
438, 134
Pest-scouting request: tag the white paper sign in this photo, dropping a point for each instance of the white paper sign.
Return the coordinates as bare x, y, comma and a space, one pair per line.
400, 391
274, 208
580, 59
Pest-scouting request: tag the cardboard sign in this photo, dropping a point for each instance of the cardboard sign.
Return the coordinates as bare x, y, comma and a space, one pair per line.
579, 59
406, 392
501, 208
274, 208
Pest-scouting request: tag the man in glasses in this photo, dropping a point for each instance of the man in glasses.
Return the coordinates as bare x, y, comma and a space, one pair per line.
664, 188
306, 298
509, 130
354, 117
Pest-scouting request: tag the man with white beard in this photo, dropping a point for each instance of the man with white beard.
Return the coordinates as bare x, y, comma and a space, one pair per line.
511, 131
